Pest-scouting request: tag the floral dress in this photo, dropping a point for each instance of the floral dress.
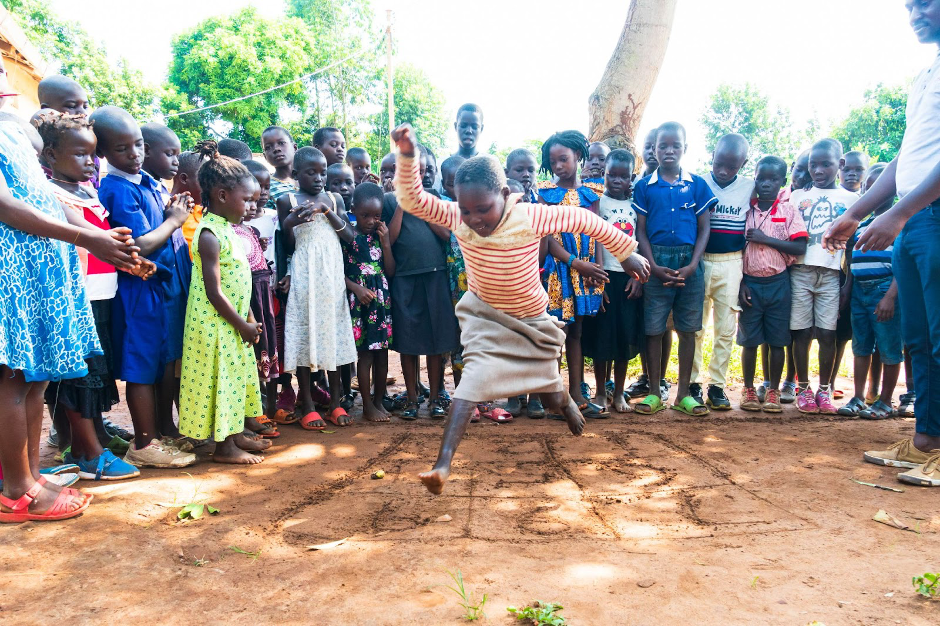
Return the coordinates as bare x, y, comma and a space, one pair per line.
219, 382
569, 296
46, 324
372, 323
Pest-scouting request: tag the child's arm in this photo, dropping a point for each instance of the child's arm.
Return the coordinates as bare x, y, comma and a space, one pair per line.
388, 259
173, 218
115, 247
342, 226
208, 249
593, 271
702, 238
795, 247
363, 295
548, 219
666, 276
395, 224
408, 188
885, 309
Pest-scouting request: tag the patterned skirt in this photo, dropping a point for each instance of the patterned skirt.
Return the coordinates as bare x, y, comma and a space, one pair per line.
569, 296
266, 350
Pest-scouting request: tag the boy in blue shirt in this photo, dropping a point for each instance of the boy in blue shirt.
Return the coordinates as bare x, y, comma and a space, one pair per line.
672, 232
144, 337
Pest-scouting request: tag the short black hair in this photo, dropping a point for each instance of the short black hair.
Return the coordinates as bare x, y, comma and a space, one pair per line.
876, 168
334, 169
828, 143
734, 141
218, 170
452, 162
620, 155
777, 163
109, 120
572, 139
481, 170
356, 153
54, 83
275, 127
366, 191
426, 151
234, 149
857, 153
470, 106
672, 127
515, 186
153, 133
305, 155
190, 161
320, 134
519, 153
255, 167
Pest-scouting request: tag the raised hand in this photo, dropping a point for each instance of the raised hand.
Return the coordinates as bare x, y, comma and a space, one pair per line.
405, 140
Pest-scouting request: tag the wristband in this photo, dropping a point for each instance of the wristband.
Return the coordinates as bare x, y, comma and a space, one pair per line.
572, 258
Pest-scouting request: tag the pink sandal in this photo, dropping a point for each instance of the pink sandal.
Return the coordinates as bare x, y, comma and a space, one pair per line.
58, 511
498, 414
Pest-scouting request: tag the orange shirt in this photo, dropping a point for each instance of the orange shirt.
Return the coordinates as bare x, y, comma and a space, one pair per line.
189, 227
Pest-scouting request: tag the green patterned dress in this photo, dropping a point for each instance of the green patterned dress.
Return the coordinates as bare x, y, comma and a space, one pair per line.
219, 382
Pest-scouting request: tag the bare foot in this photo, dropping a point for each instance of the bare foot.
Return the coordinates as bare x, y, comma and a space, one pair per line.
434, 479
251, 444
382, 410
574, 418
239, 457
372, 414
601, 399
252, 424
621, 405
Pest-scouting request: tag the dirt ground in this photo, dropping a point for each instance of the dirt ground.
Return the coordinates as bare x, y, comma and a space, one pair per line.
733, 519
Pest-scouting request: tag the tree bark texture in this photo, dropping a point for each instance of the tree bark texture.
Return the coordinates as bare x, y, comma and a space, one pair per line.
617, 105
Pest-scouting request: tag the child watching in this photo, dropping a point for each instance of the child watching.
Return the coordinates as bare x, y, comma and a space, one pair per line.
340, 181
512, 343
574, 280
187, 182
468, 125
279, 148
234, 149
775, 235
331, 143
431, 168
722, 265
145, 348
69, 145
63, 94
521, 166
359, 161
369, 263
265, 220
616, 334
593, 170
219, 385
815, 278
318, 330
854, 170
672, 233
876, 327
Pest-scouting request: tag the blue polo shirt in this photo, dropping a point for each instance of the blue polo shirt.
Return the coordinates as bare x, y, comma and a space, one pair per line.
671, 209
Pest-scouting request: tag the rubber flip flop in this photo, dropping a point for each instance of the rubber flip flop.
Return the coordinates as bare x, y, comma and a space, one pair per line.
691, 407
58, 511
307, 422
591, 410
498, 415
284, 417
650, 405
335, 415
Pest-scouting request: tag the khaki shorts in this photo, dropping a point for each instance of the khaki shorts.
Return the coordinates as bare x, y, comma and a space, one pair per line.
815, 297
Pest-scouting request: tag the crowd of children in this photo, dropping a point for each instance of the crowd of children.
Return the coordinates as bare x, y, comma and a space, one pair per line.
214, 294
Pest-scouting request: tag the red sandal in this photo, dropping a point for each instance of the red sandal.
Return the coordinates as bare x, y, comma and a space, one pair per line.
498, 414
334, 417
58, 511
307, 422
285, 417
269, 430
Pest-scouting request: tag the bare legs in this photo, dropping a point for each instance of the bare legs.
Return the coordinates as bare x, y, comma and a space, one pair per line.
460, 415
370, 362
772, 372
168, 393
142, 402
826, 341
575, 360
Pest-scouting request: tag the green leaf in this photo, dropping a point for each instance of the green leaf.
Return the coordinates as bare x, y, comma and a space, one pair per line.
193, 511
211, 509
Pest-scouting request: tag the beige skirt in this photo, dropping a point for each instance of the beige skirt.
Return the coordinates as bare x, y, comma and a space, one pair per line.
506, 356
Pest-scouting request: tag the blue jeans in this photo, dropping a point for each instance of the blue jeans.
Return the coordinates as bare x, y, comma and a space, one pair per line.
915, 265
868, 333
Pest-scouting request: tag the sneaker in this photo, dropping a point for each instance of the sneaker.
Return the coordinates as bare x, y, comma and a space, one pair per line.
902, 454
824, 404
788, 392
181, 444
762, 391
514, 406
535, 409
105, 467
907, 405
750, 400
639, 388
772, 402
117, 430
716, 399
695, 390
925, 475
53, 439
158, 455
665, 390
805, 402
585, 389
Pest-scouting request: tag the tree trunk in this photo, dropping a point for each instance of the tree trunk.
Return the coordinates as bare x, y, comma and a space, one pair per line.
617, 105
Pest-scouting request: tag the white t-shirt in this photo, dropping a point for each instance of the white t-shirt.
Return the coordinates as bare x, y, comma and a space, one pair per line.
819, 208
266, 226
727, 217
620, 214
920, 147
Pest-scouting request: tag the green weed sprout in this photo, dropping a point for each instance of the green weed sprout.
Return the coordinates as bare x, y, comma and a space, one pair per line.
539, 613
472, 610
927, 585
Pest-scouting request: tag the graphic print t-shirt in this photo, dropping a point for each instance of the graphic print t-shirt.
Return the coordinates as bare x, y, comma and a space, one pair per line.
727, 217
819, 208
620, 214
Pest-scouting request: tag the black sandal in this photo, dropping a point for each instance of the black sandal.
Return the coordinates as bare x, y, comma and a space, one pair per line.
436, 411
410, 412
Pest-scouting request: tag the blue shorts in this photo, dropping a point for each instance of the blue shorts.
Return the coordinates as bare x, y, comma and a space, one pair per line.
686, 303
868, 333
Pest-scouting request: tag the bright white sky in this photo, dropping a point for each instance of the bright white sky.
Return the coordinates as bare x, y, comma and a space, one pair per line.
815, 57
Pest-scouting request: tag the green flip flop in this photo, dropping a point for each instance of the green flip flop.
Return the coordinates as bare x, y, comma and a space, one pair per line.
650, 405
690, 406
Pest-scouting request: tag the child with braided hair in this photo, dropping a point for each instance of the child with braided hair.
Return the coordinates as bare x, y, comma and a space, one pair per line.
219, 382
511, 344
573, 278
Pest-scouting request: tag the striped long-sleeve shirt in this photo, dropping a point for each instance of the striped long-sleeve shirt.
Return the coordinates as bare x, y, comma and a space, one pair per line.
503, 268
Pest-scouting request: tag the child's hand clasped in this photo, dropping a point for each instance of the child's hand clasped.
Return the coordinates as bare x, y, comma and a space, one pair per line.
594, 273
250, 331
179, 208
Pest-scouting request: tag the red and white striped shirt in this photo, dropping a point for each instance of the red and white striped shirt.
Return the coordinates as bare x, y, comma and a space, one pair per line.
503, 268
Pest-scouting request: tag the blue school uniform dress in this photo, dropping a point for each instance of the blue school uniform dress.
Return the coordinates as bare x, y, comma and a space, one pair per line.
672, 211
46, 324
147, 325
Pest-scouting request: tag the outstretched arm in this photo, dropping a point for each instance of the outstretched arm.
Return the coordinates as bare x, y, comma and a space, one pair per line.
564, 219
408, 188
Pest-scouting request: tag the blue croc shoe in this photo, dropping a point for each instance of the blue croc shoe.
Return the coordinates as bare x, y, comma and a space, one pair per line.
105, 467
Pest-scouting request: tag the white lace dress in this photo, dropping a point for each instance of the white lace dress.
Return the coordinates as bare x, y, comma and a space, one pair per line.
318, 331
